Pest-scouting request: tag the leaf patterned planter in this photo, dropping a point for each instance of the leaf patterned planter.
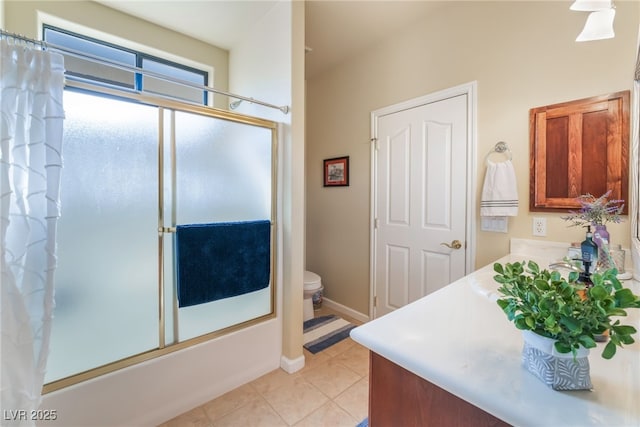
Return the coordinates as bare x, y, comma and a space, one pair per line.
560, 371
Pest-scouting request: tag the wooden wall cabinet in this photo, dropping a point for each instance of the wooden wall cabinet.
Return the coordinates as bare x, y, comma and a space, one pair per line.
579, 147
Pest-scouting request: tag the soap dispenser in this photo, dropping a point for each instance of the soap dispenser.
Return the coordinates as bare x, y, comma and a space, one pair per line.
589, 249
589, 258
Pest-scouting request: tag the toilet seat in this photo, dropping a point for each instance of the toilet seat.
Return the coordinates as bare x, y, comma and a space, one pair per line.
312, 284
311, 281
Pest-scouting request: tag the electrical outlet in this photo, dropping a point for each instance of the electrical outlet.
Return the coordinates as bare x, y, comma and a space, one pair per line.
539, 226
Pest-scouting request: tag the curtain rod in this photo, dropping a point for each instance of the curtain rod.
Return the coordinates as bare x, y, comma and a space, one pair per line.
96, 59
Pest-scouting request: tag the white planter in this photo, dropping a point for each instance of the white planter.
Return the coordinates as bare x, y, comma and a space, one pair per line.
560, 371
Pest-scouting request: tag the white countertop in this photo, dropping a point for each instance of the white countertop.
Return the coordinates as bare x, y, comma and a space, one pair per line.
459, 339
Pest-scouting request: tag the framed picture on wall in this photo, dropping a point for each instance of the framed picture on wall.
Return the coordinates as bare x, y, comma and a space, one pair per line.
336, 172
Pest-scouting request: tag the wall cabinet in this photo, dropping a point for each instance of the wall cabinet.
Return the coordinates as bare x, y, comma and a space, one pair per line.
579, 147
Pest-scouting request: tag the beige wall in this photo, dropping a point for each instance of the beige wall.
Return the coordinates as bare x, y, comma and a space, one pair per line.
280, 38
522, 55
93, 19
293, 199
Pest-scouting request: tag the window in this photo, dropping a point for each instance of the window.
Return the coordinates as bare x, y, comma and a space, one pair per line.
120, 76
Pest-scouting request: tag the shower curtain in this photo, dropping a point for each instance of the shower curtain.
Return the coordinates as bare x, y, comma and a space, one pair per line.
31, 90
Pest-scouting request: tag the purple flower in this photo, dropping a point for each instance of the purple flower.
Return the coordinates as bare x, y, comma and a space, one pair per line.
595, 211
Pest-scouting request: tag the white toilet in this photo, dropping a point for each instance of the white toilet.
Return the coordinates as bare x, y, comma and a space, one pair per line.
312, 294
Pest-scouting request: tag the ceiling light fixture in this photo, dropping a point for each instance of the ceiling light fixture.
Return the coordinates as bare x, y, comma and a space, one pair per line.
590, 5
599, 25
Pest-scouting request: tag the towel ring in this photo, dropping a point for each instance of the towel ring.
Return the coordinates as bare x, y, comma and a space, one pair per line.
500, 147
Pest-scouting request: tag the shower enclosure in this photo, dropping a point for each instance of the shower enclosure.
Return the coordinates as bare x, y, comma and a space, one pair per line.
135, 168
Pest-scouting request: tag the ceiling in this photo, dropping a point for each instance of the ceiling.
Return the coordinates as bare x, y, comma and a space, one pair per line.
335, 30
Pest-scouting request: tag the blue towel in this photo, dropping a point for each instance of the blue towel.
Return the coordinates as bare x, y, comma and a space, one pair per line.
222, 260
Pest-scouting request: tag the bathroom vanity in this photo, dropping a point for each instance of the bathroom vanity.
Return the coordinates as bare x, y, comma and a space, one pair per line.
453, 358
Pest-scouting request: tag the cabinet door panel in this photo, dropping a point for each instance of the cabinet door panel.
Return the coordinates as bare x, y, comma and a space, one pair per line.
579, 147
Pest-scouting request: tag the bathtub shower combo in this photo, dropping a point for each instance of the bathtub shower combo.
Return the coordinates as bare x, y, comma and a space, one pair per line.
166, 236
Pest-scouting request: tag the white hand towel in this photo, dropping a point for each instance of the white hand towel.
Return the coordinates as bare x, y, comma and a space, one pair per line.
499, 193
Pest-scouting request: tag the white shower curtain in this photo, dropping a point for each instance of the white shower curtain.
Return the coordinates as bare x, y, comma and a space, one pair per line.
31, 90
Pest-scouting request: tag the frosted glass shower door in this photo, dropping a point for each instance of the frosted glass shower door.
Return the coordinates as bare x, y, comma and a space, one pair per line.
107, 276
223, 173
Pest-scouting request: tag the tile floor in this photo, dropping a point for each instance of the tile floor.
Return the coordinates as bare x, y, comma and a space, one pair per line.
331, 390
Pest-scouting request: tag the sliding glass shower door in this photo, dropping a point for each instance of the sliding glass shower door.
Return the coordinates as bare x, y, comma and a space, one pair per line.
107, 276
136, 169
222, 172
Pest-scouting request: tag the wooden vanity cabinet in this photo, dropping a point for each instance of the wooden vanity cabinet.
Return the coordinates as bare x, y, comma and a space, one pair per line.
398, 397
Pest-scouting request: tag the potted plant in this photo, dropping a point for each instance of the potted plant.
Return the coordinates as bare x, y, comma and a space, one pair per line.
596, 211
559, 322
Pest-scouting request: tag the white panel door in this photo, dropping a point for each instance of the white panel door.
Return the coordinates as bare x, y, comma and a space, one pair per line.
420, 201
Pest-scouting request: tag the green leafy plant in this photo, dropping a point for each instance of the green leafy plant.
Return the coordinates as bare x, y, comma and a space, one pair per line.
549, 305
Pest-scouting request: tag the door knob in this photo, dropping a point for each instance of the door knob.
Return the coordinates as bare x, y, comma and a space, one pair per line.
454, 245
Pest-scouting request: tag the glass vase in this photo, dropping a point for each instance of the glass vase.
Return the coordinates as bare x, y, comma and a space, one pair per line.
601, 239
600, 235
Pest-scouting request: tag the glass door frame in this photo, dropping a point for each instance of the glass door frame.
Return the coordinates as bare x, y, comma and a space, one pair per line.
163, 105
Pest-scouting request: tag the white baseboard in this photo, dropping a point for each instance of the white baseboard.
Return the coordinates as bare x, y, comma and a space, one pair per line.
345, 310
290, 366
